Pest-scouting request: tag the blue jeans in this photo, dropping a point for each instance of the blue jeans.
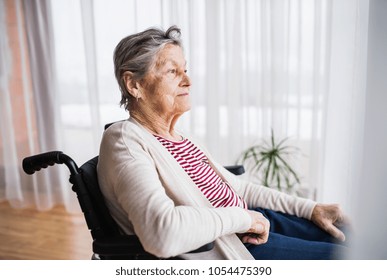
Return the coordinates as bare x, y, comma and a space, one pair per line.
293, 238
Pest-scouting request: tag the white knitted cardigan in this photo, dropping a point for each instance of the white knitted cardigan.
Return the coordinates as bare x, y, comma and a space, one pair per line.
149, 194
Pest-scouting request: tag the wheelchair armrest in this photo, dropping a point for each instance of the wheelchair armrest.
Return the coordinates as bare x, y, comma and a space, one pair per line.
129, 246
204, 248
121, 245
236, 169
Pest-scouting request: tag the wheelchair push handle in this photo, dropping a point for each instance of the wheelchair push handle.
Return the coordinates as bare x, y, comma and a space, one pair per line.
39, 161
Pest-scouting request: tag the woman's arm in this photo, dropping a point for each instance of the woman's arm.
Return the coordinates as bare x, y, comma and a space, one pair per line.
166, 229
260, 196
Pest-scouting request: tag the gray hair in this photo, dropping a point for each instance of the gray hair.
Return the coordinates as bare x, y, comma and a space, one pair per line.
136, 53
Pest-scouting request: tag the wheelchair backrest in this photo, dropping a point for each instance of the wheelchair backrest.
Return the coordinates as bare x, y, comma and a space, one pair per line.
106, 225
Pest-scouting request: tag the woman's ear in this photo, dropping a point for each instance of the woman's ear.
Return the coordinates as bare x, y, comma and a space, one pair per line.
131, 85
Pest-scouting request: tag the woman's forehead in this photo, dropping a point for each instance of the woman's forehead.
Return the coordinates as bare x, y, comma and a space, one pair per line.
170, 54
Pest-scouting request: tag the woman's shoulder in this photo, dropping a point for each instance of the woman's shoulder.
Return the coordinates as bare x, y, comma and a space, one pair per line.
122, 143
127, 135
126, 129
120, 125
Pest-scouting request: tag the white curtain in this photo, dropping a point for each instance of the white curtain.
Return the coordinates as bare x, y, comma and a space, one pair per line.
297, 67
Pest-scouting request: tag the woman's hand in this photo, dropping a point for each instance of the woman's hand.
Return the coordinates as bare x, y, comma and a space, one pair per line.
328, 217
259, 230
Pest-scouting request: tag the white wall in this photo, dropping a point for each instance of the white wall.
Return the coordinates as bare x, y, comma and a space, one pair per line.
370, 208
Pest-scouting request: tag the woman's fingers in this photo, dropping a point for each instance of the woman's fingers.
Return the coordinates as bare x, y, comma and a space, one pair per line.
254, 239
259, 229
327, 216
335, 232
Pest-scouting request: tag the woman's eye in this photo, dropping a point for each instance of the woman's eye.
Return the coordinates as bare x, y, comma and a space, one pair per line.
172, 71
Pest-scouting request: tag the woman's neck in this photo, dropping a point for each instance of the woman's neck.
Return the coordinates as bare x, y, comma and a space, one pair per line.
157, 125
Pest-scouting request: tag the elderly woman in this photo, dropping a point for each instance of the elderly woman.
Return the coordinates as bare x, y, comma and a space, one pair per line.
162, 186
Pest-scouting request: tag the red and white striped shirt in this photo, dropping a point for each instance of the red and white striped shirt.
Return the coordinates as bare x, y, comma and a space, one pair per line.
197, 166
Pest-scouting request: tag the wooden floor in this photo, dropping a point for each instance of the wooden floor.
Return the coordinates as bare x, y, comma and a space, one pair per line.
28, 234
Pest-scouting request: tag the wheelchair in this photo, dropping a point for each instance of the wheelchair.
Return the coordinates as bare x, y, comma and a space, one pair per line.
108, 242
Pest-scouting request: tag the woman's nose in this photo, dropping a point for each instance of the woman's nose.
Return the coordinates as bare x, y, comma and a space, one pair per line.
186, 80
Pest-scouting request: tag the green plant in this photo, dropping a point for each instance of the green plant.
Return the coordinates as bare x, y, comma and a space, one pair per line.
270, 163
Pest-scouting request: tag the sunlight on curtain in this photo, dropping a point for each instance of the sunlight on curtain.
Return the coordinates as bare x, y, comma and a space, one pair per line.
291, 66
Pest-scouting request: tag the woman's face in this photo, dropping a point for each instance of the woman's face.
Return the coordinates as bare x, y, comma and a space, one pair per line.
166, 86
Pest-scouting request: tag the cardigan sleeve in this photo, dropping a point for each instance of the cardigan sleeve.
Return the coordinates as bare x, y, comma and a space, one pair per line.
261, 196
165, 229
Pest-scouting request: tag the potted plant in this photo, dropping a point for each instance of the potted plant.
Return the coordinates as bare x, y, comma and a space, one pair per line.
270, 163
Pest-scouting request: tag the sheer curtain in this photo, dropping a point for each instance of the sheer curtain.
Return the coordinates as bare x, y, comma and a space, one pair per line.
297, 67
28, 106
